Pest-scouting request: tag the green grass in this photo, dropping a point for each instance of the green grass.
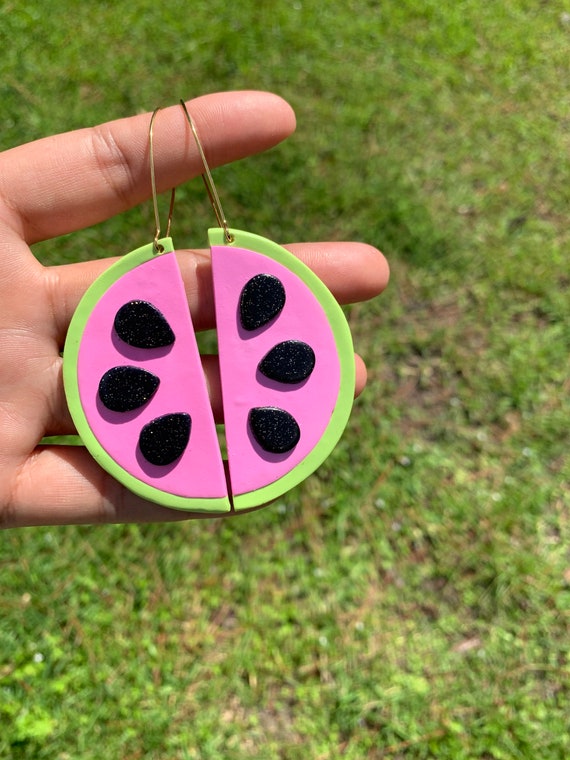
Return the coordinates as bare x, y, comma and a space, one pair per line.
412, 599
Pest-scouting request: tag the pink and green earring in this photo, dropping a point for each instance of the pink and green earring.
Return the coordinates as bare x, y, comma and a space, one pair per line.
136, 388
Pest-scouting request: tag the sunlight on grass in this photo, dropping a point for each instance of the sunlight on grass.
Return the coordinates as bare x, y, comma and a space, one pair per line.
412, 598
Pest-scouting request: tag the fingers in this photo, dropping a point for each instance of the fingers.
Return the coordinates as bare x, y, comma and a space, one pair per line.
352, 271
361, 375
77, 179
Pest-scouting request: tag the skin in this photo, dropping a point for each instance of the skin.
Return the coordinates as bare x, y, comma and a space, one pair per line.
67, 182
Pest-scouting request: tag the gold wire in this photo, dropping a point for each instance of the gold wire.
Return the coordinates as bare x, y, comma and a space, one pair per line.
209, 181
157, 247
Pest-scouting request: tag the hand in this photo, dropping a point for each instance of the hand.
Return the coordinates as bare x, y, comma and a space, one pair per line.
70, 181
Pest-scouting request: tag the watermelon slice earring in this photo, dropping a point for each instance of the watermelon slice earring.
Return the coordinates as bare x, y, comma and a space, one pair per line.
136, 389
134, 382
286, 360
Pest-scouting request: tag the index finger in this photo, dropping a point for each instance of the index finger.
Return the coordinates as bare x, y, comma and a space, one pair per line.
80, 178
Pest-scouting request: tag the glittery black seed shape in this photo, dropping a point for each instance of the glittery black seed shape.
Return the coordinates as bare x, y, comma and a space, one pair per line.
122, 389
291, 361
262, 299
142, 325
164, 439
274, 429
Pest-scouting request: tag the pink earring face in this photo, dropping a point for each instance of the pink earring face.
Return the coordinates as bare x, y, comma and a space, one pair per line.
138, 395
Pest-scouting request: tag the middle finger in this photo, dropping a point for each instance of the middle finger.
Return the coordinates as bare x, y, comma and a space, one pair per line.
352, 271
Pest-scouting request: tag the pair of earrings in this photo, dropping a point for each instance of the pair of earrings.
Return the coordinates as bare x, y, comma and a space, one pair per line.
136, 389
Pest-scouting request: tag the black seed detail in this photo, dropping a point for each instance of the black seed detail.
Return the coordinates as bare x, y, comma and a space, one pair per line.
142, 325
123, 389
291, 361
262, 299
275, 430
164, 439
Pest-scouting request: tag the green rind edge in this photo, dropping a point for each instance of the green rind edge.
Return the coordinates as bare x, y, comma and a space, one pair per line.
343, 339
70, 357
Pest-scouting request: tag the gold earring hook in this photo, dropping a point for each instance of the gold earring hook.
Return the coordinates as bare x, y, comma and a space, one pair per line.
209, 181
157, 247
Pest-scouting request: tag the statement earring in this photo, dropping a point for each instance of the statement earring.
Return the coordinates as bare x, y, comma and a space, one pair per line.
136, 389
134, 381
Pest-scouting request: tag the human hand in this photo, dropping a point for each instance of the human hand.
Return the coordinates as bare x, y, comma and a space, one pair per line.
70, 181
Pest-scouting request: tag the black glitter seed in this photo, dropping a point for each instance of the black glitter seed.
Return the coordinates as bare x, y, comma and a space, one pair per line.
123, 389
142, 325
164, 439
291, 361
262, 299
275, 430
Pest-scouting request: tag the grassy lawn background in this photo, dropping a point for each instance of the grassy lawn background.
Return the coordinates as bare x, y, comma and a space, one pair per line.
412, 599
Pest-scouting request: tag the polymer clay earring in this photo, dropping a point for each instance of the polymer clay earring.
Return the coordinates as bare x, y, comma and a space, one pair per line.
136, 389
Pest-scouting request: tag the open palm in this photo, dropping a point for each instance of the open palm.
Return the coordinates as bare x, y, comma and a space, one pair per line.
64, 183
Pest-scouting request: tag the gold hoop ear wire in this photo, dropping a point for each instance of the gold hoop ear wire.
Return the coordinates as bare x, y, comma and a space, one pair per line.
157, 247
208, 180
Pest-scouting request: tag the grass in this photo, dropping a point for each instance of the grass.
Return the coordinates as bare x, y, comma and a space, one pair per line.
412, 598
